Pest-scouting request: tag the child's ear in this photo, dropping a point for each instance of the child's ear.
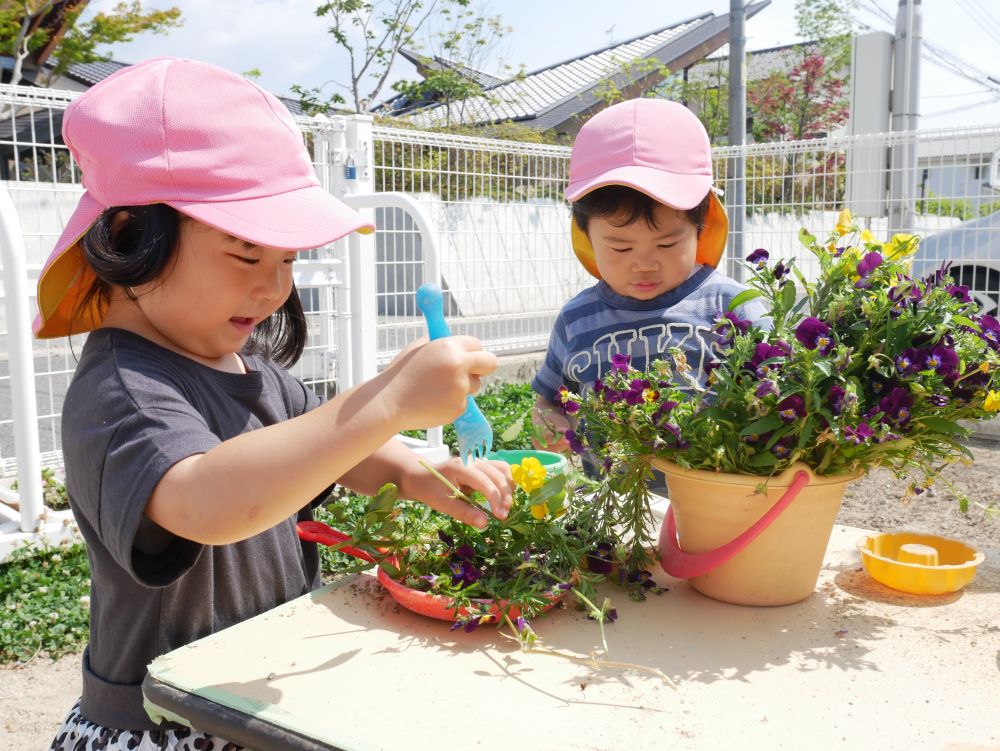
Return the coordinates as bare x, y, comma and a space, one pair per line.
118, 221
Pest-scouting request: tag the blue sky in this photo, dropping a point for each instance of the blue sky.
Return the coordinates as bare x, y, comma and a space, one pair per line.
290, 45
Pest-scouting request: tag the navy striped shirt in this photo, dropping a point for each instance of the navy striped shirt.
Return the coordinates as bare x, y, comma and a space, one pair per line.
599, 323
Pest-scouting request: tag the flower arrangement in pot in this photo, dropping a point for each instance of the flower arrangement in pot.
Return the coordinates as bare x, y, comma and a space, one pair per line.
863, 367
547, 550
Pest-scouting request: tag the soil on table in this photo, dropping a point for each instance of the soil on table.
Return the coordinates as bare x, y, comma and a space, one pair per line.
37, 696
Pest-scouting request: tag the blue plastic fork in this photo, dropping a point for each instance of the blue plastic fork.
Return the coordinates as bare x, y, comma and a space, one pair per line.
475, 436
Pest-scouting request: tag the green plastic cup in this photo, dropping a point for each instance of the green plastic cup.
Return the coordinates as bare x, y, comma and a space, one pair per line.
555, 464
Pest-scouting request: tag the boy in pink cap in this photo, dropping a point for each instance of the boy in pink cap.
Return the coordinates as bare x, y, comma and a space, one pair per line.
190, 452
647, 224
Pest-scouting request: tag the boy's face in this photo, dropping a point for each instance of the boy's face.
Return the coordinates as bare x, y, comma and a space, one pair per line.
640, 261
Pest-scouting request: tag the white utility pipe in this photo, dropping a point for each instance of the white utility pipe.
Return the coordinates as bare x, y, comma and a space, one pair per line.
22, 365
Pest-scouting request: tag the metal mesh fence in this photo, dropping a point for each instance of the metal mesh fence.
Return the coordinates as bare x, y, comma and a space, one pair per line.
505, 257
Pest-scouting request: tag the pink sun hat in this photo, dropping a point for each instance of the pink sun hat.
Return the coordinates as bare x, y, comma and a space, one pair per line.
209, 143
657, 147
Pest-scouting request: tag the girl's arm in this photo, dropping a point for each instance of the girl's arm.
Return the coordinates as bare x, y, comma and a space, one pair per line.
253, 481
395, 463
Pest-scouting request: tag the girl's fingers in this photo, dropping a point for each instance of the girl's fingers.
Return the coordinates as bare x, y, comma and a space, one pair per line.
459, 509
500, 490
491, 479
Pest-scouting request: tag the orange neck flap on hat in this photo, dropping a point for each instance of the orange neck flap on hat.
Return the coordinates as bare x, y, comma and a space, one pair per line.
711, 241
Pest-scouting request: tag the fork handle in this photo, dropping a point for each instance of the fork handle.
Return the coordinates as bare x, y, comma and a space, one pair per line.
431, 304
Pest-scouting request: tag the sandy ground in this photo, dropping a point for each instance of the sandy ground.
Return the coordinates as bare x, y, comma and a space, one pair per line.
35, 697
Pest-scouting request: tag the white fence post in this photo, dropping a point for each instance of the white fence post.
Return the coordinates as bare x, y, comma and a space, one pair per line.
431, 260
361, 251
22, 365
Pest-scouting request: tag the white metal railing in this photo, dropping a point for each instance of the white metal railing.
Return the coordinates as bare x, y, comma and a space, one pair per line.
500, 222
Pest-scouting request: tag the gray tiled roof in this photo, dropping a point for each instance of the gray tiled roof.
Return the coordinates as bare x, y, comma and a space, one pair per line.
760, 63
484, 79
91, 73
553, 95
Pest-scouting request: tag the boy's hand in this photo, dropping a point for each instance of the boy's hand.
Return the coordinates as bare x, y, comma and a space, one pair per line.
427, 383
491, 478
551, 425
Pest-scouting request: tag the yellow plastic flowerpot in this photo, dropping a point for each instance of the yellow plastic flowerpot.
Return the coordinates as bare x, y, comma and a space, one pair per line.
713, 511
917, 563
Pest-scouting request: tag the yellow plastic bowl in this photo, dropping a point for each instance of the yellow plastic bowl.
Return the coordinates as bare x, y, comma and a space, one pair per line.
917, 563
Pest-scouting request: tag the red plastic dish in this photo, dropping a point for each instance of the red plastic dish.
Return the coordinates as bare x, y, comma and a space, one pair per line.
422, 603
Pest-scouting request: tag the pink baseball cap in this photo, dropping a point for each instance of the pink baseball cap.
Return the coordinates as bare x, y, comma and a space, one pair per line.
201, 139
657, 147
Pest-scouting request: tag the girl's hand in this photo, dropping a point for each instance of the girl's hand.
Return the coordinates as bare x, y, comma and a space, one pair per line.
491, 478
551, 425
427, 383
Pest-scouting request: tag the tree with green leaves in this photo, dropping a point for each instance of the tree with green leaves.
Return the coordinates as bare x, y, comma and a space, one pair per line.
810, 99
463, 42
22, 32
372, 34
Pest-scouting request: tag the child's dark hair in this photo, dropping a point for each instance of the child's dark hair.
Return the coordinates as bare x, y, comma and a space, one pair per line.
631, 205
143, 246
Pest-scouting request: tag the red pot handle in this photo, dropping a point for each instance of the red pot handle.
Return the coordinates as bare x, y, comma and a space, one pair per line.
314, 531
688, 565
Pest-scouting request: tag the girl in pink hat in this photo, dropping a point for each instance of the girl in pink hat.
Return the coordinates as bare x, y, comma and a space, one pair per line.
190, 451
647, 224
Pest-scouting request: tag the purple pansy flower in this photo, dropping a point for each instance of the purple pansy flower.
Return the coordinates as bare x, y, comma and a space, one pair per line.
861, 434
599, 560
896, 407
835, 396
783, 448
937, 278
764, 352
759, 258
729, 325
575, 442
990, 331
908, 361
791, 408
866, 266
814, 334
710, 366
766, 387
959, 292
620, 363
942, 360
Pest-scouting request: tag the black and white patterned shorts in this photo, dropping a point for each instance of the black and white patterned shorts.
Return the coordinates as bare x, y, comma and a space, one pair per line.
80, 734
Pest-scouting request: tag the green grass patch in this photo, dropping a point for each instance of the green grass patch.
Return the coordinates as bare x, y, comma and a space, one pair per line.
44, 602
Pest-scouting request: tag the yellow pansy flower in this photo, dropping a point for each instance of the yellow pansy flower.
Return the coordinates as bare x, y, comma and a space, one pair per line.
900, 246
849, 259
867, 236
539, 511
992, 401
845, 222
530, 475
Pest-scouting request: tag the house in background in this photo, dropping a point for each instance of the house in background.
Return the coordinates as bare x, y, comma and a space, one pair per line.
561, 97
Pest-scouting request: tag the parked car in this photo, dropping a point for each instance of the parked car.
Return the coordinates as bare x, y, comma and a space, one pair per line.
973, 248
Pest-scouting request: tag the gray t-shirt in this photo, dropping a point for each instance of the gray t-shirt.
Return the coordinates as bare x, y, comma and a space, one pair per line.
132, 411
